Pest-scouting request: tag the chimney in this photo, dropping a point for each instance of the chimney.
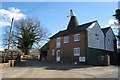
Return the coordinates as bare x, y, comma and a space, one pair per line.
73, 21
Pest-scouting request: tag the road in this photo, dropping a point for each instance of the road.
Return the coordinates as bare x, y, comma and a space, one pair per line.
37, 69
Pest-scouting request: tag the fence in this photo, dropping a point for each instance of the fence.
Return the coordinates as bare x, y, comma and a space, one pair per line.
8, 55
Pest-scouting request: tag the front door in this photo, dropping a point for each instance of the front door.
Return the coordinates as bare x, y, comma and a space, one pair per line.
58, 55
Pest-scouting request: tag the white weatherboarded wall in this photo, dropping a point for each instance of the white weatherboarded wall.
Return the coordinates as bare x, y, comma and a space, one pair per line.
93, 40
109, 40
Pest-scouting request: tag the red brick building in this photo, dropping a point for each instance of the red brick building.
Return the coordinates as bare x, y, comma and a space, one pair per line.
72, 45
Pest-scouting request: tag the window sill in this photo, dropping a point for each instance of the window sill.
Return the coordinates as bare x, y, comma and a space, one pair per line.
77, 55
58, 48
76, 40
65, 42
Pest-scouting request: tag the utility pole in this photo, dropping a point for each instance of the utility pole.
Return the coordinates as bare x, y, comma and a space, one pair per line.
10, 34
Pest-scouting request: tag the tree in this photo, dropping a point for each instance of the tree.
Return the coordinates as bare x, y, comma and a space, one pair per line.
27, 34
117, 16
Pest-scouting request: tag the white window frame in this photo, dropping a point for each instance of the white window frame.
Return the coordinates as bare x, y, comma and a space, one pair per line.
76, 38
66, 39
58, 43
77, 50
53, 51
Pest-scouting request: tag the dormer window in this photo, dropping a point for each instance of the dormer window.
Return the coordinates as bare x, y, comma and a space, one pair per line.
77, 37
66, 39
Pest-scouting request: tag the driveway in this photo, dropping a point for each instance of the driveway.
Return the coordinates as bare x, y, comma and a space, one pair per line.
38, 69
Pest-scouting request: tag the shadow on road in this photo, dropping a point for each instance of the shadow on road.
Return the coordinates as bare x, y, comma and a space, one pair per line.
49, 65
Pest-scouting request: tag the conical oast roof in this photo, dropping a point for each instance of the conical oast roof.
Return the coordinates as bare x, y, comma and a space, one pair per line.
73, 21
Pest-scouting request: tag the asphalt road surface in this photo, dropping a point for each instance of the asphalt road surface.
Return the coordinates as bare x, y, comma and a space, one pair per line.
38, 69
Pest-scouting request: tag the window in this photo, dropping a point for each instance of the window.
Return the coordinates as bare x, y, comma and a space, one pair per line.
77, 37
53, 52
108, 40
97, 36
76, 51
66, 39
58, 42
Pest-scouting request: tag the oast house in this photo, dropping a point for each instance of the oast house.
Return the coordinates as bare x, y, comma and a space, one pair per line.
85, 43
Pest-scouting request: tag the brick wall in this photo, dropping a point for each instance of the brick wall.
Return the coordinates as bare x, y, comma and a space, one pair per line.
67, 49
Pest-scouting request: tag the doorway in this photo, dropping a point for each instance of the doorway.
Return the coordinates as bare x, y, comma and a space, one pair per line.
58, 56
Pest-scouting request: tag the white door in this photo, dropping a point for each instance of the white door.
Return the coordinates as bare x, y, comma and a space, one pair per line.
58, 55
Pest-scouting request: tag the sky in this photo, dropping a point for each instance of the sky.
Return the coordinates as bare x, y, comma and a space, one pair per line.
53, 15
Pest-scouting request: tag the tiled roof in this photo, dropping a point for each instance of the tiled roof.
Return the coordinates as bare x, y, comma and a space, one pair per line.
72, 30
45, 47
73, 20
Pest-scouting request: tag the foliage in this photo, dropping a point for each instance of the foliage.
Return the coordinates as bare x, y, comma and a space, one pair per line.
27, 34
117, 16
